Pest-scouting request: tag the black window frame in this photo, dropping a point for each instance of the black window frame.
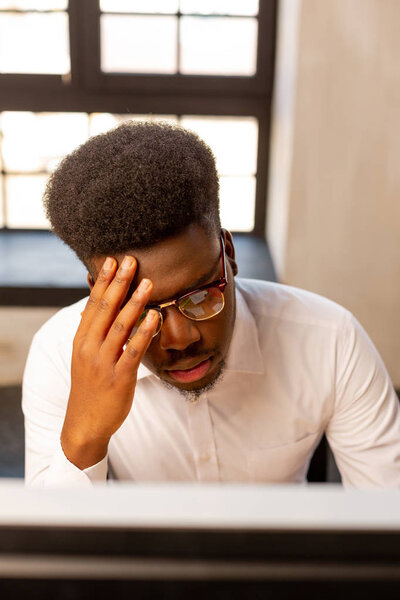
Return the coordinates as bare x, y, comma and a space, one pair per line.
87, 89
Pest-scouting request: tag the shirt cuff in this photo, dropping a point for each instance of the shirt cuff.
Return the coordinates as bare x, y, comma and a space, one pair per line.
62, 473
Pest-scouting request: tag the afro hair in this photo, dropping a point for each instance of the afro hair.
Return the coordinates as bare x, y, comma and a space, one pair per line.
132, 187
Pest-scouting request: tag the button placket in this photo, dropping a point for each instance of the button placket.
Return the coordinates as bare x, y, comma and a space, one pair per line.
203, 443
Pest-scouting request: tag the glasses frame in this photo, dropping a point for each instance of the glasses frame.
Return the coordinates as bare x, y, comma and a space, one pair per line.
220, 283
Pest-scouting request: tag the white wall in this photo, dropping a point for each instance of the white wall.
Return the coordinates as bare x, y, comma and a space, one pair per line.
334, 197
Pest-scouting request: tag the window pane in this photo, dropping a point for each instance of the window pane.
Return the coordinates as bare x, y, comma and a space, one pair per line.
232, 139
37, 142
24, 201
237, 197
102, 122
20, 51
220, 7
140, 6
142, 44
34, 4
231, 47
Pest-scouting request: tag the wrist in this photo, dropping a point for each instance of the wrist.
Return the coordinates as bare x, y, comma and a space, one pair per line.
81, 451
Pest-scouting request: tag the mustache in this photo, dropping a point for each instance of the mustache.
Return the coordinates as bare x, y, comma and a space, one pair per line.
177, 356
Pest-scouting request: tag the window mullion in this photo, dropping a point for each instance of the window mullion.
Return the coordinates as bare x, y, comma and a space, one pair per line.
87, 14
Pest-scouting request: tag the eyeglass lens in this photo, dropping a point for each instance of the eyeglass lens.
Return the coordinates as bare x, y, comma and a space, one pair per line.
202, 304
197, 306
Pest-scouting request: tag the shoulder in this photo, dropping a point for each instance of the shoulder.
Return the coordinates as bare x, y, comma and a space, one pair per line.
48, 365
291, 304
63, 324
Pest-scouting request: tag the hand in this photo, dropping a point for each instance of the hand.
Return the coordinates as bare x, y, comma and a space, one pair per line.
103, 374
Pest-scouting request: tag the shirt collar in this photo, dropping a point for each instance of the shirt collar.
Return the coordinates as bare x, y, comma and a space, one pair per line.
143, 372
244, 355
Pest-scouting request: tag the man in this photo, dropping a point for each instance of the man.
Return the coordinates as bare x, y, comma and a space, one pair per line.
175, 370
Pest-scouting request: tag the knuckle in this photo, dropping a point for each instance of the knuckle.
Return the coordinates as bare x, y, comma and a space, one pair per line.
144, 333
132, 352
118, 327
82, 351
147, 331
103, 304
103, 276
92, 300
119, 279
134, 303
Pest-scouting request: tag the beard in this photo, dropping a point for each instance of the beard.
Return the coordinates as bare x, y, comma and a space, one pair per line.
194, 393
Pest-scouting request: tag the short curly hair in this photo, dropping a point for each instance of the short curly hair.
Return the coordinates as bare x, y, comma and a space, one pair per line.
132, 187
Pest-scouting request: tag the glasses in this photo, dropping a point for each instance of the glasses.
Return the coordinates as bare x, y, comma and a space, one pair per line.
201, 304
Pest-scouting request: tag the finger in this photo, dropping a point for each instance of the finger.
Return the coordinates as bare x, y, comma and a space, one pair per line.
137, 346
103, 280
109, 304
126, 319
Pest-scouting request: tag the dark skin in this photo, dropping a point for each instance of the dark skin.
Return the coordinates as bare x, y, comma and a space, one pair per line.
103, 375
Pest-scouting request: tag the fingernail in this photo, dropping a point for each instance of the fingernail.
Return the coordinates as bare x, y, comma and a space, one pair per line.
151, 317
145, 284
127, 262
108, 263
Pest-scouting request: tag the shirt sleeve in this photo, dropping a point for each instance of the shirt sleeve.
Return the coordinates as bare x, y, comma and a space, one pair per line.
45, 393
364, 429
62, 472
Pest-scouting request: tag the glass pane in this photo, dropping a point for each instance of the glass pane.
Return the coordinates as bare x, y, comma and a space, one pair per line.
220, 7
34, 4
142, 44
20, 51
238, 198
37, 142
140, 6
232, 139
231, 47
102, 122
24, 201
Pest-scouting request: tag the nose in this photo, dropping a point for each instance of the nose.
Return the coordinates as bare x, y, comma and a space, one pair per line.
178, 332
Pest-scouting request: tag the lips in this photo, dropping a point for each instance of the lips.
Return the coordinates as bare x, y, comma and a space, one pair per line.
188, 375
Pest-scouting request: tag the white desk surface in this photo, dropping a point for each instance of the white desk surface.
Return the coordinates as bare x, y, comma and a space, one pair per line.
225, 506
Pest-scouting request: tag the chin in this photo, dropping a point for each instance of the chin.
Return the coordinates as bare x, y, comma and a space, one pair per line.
192, 391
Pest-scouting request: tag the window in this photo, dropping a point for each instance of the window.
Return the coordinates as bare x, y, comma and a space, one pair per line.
207, 65
132, 32
22, 24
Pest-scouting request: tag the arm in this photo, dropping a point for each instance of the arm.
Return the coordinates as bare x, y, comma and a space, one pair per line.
364, 430
103, 379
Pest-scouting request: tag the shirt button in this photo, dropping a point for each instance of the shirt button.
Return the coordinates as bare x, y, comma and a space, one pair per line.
204, 457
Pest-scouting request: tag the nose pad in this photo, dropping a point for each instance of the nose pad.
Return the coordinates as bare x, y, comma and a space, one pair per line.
178, 332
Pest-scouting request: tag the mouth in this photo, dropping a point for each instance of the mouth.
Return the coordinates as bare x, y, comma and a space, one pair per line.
191, 373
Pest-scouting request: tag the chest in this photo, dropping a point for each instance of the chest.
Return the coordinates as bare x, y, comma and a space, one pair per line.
244, 430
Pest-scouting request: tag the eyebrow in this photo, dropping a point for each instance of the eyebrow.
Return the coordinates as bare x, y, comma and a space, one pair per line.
198, 283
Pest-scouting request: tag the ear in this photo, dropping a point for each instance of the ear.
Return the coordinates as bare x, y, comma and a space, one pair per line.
230, 251
90, 281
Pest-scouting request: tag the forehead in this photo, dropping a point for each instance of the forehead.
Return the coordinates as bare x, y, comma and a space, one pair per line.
175, 264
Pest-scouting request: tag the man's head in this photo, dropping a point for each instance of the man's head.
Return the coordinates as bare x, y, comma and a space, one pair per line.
132, 187
151, 190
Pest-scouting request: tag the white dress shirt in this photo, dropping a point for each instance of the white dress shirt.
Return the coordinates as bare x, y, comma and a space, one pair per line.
299, 365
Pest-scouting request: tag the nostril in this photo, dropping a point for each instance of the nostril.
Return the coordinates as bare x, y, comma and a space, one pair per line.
178, 332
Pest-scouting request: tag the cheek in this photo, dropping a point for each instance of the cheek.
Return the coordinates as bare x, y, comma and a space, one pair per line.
216, 333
